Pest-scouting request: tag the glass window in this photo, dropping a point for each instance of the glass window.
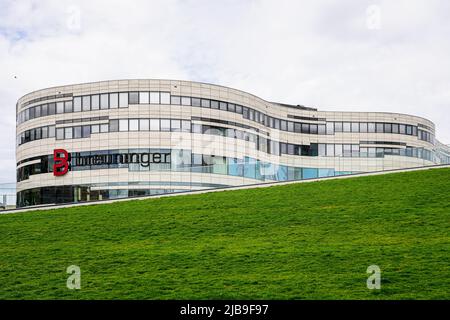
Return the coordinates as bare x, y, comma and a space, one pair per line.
330, 127
95, 128
322, 150
290, 126
330, 150
321, 129
196, 128
395, 128
371, 127
363, 127
113, 125
32, 113
175, 100
144, 124
297, 127
86, 131
338, 150
51, 131
313, 128
380, 127
388, 128
44, 132
67, 107
223, 106
134, 125
283, 125
104, 103
51, 108
165, 125
305, 128
414, 132
409, 130
86, 103
195, 102
133, 98
205, 103
346, 127
185, 126
60, 134
175, 125
238, 109
123, 100
355, 126
154, 124
402, 128
37, 111
68, 133
60, 107
77, 132
44, 110
164, 97
231, 107
104, 128
186, 101
154, 97
338, 127
355, 150
113, 100
214, 104
123, 124
76, 104
95, 102
347, 150
144, 97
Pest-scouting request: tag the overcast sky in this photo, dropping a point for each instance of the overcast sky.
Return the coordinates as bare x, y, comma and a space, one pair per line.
357, 55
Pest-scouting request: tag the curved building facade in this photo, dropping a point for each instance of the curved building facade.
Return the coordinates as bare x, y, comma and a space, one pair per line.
124, 138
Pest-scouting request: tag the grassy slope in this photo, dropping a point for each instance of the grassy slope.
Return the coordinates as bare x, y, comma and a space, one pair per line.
302, 241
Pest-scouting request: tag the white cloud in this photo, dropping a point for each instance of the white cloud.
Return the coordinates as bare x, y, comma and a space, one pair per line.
316, 53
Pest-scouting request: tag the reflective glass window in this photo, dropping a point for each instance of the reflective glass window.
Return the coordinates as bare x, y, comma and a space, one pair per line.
195, 102
144, 97
176, 100
205, 103
67, 107
104, 101
165, 125
68, 133
123, 100
77, 132
133, 98
355, 126
86, 103
186, 101
214, 104
86, 131
123, 124
134, 125
164, 97
346, 127
60, 134
154, 124
95, 102
113, 100
144, 124
363, 127
76, 104
154, 97
113, 125
60, 107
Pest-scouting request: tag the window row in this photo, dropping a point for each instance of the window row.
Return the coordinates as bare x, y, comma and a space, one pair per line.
123, 99
177, 125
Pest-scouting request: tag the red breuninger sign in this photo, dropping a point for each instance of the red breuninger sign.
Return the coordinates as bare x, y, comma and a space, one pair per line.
60, 163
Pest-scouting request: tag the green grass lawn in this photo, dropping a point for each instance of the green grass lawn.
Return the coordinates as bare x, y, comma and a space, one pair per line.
300, 241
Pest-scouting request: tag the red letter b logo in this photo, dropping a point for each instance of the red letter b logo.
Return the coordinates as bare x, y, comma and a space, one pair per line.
60, 164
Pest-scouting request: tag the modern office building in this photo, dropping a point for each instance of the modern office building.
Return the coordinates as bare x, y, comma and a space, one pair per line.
124, 138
